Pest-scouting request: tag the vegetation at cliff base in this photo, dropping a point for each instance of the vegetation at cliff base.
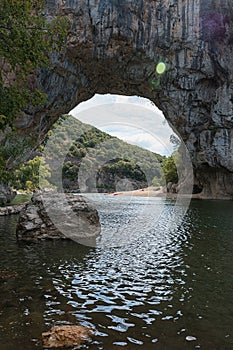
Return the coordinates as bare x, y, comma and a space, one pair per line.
32, 175
21, 198
27, 38
169, 168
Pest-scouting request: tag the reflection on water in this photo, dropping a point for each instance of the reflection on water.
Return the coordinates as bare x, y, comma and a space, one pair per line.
150, 294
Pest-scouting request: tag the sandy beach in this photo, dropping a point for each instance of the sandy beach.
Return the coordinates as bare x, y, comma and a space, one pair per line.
144, 192
153, 192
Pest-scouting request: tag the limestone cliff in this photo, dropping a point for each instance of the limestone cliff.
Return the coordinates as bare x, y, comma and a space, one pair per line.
114, 46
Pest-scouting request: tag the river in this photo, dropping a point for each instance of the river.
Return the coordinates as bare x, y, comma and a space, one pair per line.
148, 294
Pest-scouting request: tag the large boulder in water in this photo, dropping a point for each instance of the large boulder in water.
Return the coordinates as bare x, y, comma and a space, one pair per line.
52, 215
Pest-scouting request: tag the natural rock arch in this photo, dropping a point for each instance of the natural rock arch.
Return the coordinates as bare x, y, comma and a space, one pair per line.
114, 46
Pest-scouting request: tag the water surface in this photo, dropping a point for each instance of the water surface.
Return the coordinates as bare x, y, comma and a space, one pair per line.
149, 294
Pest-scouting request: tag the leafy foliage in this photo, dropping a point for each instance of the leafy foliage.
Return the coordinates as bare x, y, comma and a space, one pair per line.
98, 153
170, 169
27, 176
21, 198
158, 181
95, 150
14, 150
26, 38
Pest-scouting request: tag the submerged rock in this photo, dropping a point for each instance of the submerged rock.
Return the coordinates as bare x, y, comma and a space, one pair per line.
66, 336
52, 215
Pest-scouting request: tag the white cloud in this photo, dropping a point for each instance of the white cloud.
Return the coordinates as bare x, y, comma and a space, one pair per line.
130, 118
154, 143
97, 100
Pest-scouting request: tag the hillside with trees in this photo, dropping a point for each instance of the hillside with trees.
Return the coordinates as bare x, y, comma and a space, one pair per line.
108, 164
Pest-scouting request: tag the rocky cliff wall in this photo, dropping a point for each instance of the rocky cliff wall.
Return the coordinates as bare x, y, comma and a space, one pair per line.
114, 47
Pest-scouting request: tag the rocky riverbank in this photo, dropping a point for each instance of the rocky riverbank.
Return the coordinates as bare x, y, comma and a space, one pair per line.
12, 209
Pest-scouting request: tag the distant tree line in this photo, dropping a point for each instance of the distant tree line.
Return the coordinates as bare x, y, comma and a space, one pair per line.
96, 152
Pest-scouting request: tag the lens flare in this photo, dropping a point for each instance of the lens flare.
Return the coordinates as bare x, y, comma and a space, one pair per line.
160, 68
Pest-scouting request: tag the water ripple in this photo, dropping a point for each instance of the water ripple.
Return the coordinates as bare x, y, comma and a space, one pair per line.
154, 292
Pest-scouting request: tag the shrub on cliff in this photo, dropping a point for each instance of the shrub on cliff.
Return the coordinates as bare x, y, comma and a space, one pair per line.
26, 38
33, 175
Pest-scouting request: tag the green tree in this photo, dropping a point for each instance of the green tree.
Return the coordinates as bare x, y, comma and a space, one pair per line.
158, 181
94, 149
170, 170
14, 150
33, 175
26, 38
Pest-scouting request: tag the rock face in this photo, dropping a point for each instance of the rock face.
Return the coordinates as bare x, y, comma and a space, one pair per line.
114, 47
66, 336
52, 215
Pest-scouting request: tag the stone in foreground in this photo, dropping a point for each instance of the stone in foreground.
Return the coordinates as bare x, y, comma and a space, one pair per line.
52, 215
66, 336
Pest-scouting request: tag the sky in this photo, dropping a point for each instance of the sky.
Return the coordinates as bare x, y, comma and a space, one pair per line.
130, 118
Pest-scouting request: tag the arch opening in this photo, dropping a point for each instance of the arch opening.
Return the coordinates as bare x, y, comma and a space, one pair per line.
124, 140
127, 167
138, 122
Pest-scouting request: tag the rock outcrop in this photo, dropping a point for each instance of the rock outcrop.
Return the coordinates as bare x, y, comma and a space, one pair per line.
66, 336
114, 47
52, 215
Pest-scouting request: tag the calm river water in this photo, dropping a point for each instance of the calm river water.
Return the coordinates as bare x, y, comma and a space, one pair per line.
149, 294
